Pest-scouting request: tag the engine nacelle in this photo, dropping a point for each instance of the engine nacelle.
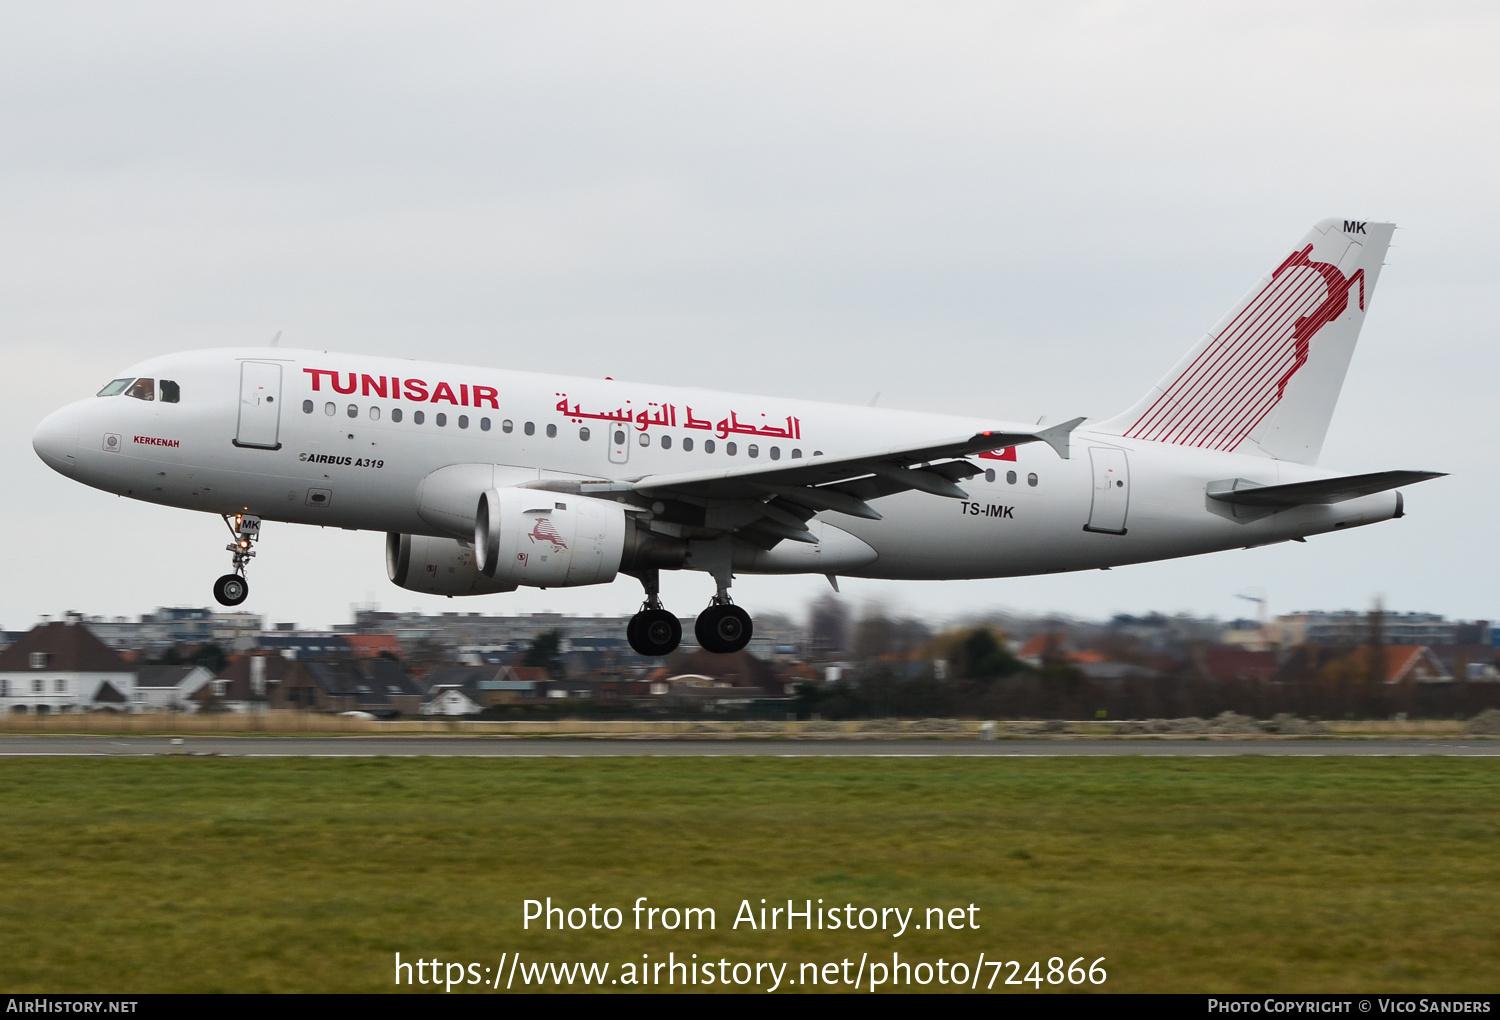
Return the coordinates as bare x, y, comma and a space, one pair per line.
547, 539
437, 566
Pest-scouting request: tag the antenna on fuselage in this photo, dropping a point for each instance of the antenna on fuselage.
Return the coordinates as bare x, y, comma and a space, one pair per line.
276, 339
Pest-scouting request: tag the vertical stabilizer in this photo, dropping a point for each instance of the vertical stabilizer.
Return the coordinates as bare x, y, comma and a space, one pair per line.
1266, 379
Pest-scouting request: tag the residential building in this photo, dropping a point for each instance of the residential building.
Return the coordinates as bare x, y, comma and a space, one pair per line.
170, 688
1350, 628
63, 667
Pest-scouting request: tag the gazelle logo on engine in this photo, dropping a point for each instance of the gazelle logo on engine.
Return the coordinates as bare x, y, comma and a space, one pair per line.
544, 531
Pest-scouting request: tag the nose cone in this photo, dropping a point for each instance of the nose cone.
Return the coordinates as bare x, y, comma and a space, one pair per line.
56, 441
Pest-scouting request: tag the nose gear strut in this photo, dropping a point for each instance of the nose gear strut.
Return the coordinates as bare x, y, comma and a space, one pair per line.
232, 589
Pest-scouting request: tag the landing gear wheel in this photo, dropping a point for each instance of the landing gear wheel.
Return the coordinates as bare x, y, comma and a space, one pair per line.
723, 628
231, 590
654, 632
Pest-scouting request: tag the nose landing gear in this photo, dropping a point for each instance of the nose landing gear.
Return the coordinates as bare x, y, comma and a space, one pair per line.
232, 589
653, 632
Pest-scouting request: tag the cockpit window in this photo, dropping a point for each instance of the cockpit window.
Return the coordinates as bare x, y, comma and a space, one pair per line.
115, 386
144, 389
171, 393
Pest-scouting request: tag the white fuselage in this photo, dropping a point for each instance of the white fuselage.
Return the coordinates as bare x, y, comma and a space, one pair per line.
337, 436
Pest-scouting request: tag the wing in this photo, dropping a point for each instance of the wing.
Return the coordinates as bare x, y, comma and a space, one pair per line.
766, 503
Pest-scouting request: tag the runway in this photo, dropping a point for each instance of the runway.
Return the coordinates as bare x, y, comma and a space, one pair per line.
510, 747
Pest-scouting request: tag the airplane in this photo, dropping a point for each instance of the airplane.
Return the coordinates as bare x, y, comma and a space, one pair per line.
485, 480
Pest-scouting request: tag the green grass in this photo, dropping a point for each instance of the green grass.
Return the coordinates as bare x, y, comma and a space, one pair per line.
1243, 874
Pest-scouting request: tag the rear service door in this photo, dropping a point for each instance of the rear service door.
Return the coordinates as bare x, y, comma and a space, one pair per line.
260, 405
1111, 491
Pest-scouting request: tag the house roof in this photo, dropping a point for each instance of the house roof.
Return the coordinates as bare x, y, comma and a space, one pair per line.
1231, 662
741, 669
109, 694
70, 648
164, 676
1042, 644
369, 646
1405, 662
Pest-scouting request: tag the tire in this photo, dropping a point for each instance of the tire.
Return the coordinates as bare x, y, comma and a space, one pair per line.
723, 629
231, 590
654, 633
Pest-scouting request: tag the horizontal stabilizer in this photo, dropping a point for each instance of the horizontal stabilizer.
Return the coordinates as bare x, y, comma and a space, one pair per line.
1242, 492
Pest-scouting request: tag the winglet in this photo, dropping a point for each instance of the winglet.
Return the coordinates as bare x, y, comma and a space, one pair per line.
1058, 435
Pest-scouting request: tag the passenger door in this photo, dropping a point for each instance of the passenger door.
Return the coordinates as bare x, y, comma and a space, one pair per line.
260, 406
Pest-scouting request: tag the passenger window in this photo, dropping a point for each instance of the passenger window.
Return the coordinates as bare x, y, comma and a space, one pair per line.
666, 442
753, 450
775, 453
354, 410
530, 429
395, 414
817, 453
144, 389
506, 426
796, 455
115, 387
583, 434
307, 407
551, 431
463, 421
441, 419
731, 448
989, 474
1031, 479
374, 413
687, 443
708, 446
645, 439
1010, 478
484, 424
171, 393
418, 417
329, 409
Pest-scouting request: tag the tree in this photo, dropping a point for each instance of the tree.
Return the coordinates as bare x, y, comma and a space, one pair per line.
544, 650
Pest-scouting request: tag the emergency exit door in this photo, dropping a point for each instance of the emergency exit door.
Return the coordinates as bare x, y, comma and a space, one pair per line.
619, 443
260, 405
1111, 491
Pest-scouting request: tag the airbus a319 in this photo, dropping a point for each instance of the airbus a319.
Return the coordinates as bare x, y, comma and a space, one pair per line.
485, 479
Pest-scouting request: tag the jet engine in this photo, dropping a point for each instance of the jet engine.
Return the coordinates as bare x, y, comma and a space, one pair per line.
546, 539
437, 566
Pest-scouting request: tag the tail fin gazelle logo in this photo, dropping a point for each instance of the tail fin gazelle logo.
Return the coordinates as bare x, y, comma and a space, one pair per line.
1242, 373
1334, 305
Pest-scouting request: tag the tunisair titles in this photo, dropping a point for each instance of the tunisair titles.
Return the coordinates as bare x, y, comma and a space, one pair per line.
476, 395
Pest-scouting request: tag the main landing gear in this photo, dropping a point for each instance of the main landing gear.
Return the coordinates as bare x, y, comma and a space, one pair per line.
653, 632
232, 589
723, 627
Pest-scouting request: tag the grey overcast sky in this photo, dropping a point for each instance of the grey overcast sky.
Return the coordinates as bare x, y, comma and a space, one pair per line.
1002, 209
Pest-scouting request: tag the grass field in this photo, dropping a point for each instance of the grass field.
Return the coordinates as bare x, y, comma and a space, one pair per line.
1242, 874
